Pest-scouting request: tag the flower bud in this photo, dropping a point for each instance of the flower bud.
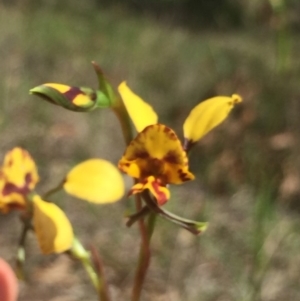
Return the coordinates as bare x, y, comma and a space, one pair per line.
79, 99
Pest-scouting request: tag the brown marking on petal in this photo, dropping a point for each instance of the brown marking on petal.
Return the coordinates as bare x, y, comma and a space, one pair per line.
141, 154
170, 133
10, 163
72, 93
16, 206
143, 181
154, 167
183, 175
171, 157
167, 130
12, 188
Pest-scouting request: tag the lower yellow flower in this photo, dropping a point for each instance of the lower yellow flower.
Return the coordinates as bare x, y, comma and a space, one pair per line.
18, 177
156, 158
52, 227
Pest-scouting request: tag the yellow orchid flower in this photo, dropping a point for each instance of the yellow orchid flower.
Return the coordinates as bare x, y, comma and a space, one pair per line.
18, 177
94, 180
156, 157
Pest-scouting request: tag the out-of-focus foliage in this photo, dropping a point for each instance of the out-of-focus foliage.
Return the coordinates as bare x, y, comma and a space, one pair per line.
195, 14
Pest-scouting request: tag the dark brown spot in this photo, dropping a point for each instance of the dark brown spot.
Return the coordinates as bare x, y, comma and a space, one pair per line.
12, 188
183, 175
142, 154
170, 133
171, 157
167, 130
72, 93
10, 163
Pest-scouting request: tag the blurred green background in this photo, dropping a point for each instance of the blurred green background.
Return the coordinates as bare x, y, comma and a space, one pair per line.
173, 54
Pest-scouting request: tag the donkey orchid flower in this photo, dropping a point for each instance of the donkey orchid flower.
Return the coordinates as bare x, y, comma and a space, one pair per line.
156, 156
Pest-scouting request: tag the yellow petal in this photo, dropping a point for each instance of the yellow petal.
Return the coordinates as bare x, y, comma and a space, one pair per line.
52, 227
140, 112
10, 199
59, 87
177, 173
20, 170
160, 192
95, 180
207, 115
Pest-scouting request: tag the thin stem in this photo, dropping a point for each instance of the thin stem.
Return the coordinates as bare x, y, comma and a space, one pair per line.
103, 292
138, 215
21, 247
144, 255
53, 190
121, 113
96, 275
117, 104
87, 264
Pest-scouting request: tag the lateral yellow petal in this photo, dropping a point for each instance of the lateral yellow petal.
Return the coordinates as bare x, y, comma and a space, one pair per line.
207, 115
95, 180
140, 112
52, 227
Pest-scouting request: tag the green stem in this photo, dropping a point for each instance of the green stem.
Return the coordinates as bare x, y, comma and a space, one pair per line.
119, 109
53, 190
87, 264
96, 276
121, 113
117, 104
21, 255
136, 216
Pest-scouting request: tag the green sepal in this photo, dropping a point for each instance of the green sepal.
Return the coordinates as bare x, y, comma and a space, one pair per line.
192, 226
94, 99
105, 86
